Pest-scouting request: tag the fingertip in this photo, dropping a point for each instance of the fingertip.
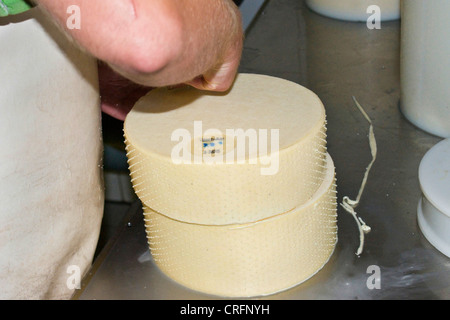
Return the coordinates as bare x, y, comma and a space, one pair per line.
218, 84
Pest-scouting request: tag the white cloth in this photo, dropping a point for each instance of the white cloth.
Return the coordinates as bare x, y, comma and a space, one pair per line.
51, 187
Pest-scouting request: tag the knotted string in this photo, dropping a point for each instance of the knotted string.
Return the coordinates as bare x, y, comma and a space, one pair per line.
350, 205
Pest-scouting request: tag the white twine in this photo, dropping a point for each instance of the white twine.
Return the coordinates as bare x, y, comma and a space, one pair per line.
350, 205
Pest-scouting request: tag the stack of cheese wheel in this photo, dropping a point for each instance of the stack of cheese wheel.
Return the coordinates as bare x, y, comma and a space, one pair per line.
238, 190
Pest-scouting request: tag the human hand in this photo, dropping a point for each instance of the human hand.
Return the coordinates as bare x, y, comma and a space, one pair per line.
222, 75
118, 94
159, 43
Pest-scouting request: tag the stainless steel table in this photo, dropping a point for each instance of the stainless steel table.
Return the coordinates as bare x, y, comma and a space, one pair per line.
337, 60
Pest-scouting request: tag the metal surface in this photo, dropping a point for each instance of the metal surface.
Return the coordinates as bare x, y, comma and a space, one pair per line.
249, 9
337, 60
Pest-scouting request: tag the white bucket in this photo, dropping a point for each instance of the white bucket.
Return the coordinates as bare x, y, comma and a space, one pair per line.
434, 206
51, 189
355, 10
425, 65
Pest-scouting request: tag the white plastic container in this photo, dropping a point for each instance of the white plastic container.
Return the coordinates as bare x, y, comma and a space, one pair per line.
355, 10
51, 189
425, 65
434, 206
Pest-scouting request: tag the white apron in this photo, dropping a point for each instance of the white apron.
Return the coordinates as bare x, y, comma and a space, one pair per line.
51, 187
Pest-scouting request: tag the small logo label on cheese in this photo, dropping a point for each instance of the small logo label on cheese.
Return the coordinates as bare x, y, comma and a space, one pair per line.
235, 146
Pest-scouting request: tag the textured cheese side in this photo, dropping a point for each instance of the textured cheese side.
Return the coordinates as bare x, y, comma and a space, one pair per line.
228, 193
253, 259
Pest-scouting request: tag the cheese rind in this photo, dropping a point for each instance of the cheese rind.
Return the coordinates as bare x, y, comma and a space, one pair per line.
246, 260
228, 193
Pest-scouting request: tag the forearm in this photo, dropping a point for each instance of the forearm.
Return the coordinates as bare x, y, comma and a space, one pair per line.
152, 41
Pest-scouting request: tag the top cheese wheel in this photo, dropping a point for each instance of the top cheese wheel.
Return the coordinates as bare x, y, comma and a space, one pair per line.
209, 158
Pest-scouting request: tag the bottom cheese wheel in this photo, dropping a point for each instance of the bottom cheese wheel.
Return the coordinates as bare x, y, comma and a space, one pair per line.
247, 260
